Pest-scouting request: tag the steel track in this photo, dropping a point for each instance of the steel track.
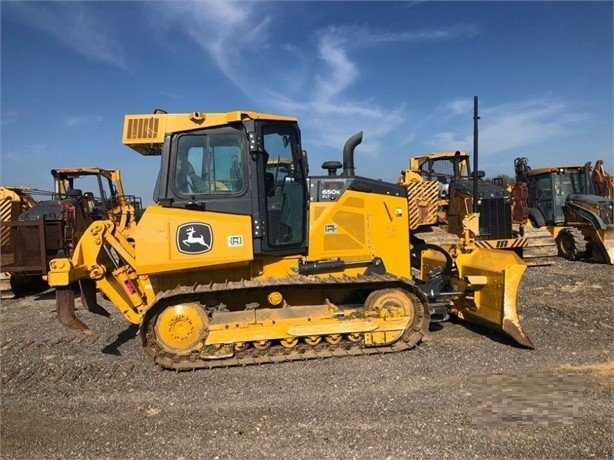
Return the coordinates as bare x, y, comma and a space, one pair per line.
277, 353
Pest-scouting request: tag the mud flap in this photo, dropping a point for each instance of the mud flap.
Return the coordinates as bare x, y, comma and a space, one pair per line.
490, 279
65, 309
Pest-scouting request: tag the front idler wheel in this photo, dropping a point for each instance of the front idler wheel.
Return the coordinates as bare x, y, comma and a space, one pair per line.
181, 329
397, 303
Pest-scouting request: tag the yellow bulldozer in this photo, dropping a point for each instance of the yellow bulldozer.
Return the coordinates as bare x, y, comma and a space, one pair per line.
245, 259
440, 190
427, 184
36, 231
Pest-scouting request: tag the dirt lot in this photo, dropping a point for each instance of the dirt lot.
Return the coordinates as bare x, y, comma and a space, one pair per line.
462, 393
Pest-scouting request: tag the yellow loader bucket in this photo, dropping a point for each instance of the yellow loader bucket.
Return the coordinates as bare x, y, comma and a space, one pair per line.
603, 250
490, 279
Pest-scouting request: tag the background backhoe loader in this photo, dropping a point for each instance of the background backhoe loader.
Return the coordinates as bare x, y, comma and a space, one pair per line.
34, 232
244, 259
563, 200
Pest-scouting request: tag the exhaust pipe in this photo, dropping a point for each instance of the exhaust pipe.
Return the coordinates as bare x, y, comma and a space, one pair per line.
348, 154
475, 154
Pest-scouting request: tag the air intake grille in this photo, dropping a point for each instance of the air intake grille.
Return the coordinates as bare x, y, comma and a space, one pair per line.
142, 128
422, 203
495, 219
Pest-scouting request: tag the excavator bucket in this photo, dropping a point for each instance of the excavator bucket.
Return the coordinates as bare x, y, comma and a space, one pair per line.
490, 279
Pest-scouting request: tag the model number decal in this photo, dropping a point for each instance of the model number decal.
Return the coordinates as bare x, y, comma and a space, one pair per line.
330, 228
235, 241
331, 192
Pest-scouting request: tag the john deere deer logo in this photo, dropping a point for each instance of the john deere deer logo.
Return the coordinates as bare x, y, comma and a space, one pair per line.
194, 238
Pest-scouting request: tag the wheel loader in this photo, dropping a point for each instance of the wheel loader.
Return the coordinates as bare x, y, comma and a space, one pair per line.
36, 231
564, 200
244, 259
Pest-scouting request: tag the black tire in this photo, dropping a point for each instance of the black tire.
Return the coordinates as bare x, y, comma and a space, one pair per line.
536, 218
571, 244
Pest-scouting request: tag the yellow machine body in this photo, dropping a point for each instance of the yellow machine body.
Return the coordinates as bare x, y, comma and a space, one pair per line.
426, 184
211, 284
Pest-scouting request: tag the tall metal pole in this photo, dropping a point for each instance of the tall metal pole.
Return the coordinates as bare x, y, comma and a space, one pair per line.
475, 153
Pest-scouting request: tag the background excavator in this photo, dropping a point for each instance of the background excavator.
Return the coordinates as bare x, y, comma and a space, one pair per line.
574, 203
245, 259
36, 231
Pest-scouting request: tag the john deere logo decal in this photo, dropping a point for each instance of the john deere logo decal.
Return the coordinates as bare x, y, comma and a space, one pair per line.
194, 238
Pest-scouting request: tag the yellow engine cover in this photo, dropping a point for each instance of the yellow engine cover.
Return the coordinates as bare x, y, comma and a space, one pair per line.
361, 226
169, 239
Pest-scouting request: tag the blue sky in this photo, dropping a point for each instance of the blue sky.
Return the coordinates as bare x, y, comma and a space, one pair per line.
405, 73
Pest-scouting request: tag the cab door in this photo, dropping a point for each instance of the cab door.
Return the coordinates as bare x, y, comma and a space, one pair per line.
284, 191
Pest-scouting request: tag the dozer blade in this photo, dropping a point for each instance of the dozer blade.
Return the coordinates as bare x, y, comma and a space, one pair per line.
491, 278
65, 309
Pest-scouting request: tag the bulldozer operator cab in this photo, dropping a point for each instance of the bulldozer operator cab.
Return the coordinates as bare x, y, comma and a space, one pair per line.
443, 167
249, 168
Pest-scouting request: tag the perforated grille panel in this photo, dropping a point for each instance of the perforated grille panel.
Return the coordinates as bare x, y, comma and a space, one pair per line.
142, 129
422, 203
495, 219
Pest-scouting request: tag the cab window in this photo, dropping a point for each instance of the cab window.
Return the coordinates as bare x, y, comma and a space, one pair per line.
209, 164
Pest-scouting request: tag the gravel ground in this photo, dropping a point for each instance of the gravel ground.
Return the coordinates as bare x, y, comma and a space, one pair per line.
462, 393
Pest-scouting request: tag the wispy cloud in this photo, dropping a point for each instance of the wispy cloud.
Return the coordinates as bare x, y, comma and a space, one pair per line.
228, 32
317, 86
74, 120
340, 71
73, 25
461, 106
360, 36
328, 95
26, 153
510, 126
8, 117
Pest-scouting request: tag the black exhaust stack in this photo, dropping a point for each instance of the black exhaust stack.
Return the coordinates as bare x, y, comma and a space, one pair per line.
348, 154
475, 153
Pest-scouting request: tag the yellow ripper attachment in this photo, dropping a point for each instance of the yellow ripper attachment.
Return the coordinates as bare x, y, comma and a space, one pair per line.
65, 304
490, 279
